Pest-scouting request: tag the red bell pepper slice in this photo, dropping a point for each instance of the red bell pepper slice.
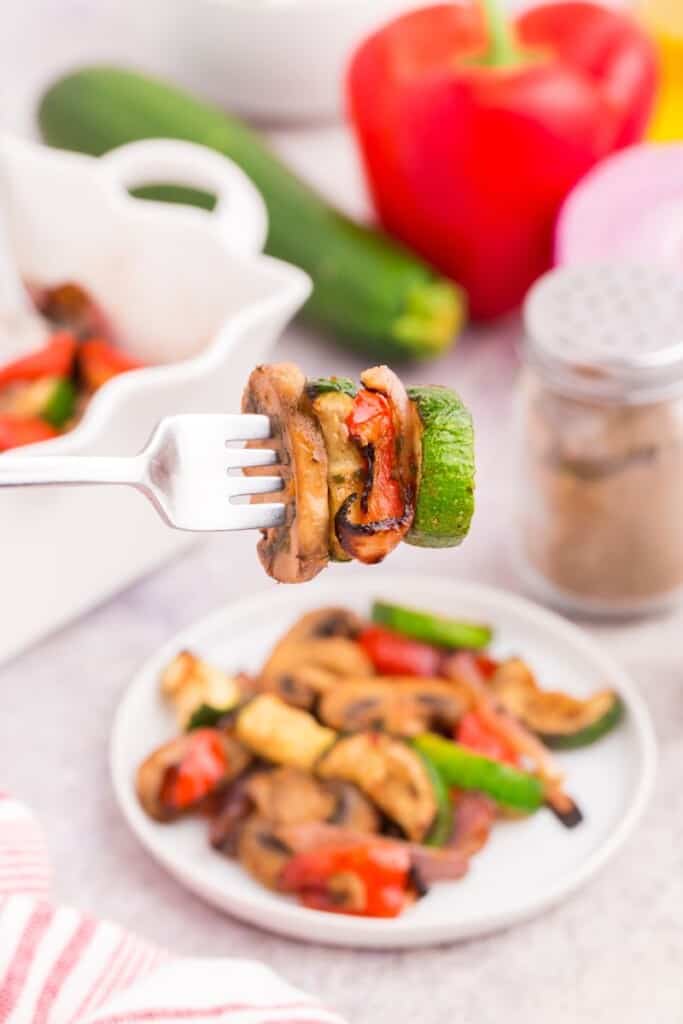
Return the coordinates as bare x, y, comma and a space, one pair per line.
54, 360
395, 655
473, 732
99, 362
16, 431
371, 424
366, 879
370, 525
486, 665
473, 132
198, 774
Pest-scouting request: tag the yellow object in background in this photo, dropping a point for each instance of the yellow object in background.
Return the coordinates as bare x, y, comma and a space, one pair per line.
664, 20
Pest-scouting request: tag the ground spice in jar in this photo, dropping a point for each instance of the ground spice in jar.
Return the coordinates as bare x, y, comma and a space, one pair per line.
601, 510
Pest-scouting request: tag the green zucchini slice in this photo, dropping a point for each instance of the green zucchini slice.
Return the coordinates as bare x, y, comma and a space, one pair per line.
561, 721
445, 494
430, 628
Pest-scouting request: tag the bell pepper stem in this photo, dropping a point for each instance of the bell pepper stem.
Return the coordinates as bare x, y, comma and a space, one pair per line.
502, 46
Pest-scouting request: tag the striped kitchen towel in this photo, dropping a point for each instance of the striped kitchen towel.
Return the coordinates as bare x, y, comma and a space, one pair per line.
59, 966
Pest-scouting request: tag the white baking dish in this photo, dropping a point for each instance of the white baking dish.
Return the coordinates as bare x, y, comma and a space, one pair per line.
186, 289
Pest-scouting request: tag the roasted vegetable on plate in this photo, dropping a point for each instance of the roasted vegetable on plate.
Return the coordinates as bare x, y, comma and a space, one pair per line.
364, 467
44, 393
355, 787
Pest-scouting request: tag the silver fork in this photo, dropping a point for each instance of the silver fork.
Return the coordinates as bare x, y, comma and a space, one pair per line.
184, 471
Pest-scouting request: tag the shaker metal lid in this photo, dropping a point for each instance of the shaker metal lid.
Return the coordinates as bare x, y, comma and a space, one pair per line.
613, 331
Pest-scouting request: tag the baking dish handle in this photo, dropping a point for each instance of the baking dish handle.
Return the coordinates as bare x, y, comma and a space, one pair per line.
239, 215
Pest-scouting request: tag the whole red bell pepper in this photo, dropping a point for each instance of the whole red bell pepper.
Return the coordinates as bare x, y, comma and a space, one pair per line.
473, 131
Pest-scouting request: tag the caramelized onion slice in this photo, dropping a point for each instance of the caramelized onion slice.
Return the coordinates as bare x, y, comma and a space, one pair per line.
370, 542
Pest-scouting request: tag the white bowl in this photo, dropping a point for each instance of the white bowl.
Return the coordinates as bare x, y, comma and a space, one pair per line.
269, 59
185, 289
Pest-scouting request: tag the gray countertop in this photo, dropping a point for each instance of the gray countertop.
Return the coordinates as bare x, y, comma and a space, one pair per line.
613, 953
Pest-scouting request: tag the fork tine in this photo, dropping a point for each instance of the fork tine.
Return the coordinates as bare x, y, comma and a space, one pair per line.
240, 458
210, 427
246, 427
254, 484
254, 517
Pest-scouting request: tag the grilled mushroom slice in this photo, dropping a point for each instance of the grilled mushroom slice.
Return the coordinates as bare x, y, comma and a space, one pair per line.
352, 810
180, 775
301, 671
401, 706
316, 652
298, 550
322, 624
261, 851
390, 773
287, 796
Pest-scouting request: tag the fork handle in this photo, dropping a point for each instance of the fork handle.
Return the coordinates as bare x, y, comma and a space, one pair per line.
34, 470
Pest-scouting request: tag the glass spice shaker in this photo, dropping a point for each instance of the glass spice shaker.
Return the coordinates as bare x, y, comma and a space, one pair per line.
600, 425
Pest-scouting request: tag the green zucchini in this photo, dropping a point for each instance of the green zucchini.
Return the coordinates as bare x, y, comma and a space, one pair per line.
461, 767
430, 628
368, 289
589, 733
445, 496
561, 721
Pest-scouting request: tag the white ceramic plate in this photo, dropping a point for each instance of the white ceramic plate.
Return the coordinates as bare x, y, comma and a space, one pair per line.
526, 866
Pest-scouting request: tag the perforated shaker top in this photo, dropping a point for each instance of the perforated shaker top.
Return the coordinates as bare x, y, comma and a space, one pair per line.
612, 332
